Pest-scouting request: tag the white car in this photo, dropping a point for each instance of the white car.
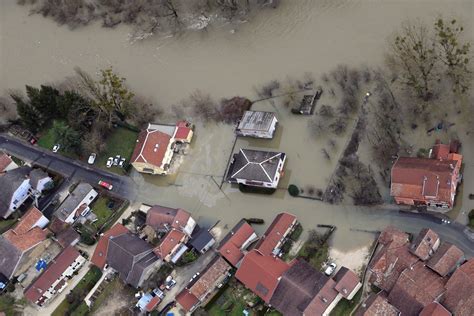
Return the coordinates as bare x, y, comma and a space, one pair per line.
56, 148
109, 162
121, 162
330, 268
91, 159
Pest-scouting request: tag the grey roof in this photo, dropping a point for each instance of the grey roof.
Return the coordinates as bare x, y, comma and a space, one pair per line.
9, 257
130, 255
73, 200
255, 165
256, 121
201, 239
36, 175
9, 183
297, 287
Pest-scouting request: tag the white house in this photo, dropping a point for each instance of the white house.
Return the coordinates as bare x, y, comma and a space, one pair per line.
76, 203
14, 190
257, 124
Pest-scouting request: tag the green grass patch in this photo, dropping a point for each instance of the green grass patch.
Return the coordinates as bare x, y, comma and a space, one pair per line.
7, 224
73, 303
102, 212
47, 139
229, 301
121, 142
10, 306
315, 255
345, 307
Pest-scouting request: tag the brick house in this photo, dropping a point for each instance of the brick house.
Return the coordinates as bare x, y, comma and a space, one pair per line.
235, 243
274, 237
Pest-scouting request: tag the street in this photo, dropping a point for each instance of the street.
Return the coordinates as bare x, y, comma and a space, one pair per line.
72, 170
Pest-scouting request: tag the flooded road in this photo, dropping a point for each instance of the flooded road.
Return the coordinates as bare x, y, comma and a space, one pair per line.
299, 36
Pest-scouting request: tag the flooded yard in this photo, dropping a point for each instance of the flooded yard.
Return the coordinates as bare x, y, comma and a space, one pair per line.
297, 37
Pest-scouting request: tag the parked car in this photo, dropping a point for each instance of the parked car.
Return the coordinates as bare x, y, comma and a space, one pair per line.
56, 148
170, 283
106, 185
109, 162
116, 160
121, 162
330, 268
91, 159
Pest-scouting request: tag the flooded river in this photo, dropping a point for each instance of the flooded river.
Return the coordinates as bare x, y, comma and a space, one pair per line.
299, 36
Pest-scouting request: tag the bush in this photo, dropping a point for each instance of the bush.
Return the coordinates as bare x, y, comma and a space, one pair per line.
422, 153
87, 239
293, 190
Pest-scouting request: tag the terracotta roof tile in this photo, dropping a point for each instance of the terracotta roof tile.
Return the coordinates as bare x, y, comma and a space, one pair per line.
275, 233
377, 305
458, 298
160, 217
152, 304
416, 288
445, 258
151, 147
186, 300
230, 246
425, 244
435, 309
24, 236
5, 160
169, 242
261, 273
346, 281
100, 253
209, 276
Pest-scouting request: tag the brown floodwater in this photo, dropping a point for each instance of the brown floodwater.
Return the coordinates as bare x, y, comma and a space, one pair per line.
299, 36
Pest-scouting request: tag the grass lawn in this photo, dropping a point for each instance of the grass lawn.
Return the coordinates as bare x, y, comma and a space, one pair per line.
80, 291
345, 307
46, 140
10, 306
102, 211
315, 258
120, 142
6, 224
230, 301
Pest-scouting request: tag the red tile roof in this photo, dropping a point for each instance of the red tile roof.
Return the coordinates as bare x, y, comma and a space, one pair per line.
208, 278
261, 273
416, 288
152, 304
151, 147
377, 305
186, 300
423, 178
160, 217
320, 303
52, 273
346, 281
435, 309
100, 253
394, 236
425, 244
275, 232
24, 236
5, 160
169, 242
458, 298
182, 132
445, 258
230, 246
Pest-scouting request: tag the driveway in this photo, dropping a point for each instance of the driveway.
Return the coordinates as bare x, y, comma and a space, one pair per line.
72, 170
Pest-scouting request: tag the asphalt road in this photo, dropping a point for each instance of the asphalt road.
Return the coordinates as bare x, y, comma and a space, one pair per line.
72, 170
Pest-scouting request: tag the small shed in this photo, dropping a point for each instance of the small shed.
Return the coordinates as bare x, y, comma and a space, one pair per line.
257, 124
202, 240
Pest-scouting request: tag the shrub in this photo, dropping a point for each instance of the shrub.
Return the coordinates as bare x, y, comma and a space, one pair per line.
293, 190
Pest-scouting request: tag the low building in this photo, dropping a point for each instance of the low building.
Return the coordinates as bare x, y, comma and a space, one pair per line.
55, 278
162, 219
446, 259
149, 301
425, 244
68, 237
256, 168
458, 298
303, 290
157, 144
6, 163
376, 305
19, 246
39, 181
203, 288
261, 273
416, 288
271, 241
202, 240
15, 190
235, 243
172, 246
132, 258
76, 203
430, 182
435, 309
99, 257
257, 124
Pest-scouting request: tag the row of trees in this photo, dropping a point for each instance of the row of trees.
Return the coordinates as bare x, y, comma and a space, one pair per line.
423, 54
148, 17
82, 119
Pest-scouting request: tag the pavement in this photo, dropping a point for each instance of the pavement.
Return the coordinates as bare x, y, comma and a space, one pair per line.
72, 170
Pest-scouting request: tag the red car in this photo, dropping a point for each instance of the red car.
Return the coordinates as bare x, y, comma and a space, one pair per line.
106, 185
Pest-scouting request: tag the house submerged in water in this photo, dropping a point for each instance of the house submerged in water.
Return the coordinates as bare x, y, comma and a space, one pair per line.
257, 124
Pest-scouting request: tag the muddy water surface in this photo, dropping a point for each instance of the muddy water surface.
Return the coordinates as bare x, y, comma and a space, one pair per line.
297, 37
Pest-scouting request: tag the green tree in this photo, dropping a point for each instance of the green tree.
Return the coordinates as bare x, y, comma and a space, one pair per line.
44, 100
111, 98
65, 135
76, 110
454, 53
29, 116
414, 52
